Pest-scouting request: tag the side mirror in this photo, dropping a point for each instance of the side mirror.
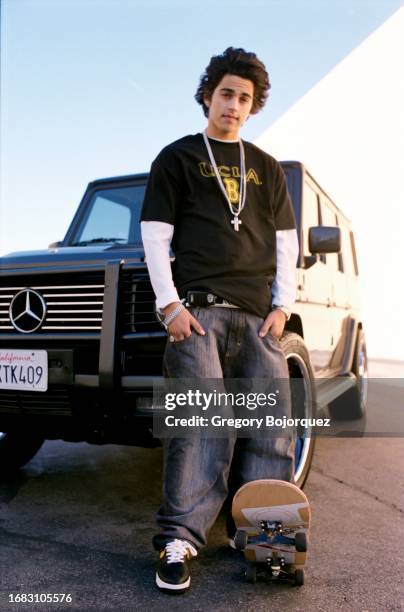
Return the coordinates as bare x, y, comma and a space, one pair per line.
323, 239
55, 245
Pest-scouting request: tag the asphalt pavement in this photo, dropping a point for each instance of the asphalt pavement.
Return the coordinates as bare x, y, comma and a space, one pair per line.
79, 519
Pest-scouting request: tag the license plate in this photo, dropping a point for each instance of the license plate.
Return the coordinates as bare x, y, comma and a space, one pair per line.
23, 370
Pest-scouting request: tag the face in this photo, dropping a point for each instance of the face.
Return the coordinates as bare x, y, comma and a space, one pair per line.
229, 107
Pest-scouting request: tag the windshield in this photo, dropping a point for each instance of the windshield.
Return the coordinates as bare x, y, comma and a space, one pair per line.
112, 215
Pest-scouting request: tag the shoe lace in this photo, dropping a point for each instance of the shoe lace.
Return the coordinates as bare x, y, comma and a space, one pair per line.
176, 551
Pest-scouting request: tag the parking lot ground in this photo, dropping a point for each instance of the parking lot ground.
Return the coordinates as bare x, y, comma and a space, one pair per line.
79, 519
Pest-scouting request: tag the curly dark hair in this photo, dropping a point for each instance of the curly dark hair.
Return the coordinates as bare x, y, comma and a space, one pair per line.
239, 63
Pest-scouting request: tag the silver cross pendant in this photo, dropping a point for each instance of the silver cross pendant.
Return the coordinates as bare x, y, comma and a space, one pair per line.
236, 222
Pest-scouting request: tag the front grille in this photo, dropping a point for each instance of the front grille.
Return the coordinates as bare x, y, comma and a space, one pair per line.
55, 401
73, 303
138, 301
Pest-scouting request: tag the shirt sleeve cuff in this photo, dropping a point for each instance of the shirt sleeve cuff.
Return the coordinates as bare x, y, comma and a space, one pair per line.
167, 298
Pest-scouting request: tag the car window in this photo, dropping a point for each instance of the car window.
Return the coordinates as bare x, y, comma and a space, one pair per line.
349, 264
328, 218
353, 249
310, 214
340, 258
112, 215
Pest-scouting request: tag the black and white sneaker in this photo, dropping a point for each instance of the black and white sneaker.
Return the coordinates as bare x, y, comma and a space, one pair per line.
173, 568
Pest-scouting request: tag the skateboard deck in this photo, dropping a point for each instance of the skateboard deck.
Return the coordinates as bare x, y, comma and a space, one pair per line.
273, 523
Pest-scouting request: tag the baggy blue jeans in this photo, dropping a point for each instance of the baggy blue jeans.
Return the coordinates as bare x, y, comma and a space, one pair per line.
196, 469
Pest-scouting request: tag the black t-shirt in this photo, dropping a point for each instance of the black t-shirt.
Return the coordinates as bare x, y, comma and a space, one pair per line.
209, 254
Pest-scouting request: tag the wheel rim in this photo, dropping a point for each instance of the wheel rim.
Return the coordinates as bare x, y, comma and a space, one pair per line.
298, 369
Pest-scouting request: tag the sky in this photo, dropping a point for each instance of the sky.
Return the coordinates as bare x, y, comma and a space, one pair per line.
96, 88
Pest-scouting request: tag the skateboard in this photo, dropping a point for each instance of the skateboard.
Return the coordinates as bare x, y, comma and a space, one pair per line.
273, 523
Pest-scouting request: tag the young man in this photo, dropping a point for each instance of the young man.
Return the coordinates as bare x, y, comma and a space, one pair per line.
222, 205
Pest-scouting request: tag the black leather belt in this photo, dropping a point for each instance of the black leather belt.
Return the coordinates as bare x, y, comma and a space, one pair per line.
205, 299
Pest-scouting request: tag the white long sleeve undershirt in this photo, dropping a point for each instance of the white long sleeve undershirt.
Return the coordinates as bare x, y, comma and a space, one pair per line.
284, 285
157, 236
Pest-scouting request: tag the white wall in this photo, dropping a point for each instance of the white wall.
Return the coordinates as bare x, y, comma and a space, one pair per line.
349, 132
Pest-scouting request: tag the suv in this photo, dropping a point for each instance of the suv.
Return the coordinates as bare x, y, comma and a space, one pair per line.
80, 344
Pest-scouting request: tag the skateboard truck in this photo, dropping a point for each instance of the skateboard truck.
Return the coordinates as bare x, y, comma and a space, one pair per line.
271, 527
275, 564
275, 568
272, 533
276, 527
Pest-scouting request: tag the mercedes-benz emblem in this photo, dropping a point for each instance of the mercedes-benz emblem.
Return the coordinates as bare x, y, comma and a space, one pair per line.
27, 311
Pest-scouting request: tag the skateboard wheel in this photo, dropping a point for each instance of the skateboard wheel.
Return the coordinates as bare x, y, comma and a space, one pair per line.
299, 577
301, 542
251, 573
241, 539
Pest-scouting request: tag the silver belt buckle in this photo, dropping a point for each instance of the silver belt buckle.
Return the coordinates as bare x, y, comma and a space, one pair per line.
226, 304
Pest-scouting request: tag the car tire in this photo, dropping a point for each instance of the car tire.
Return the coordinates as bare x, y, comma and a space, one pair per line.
16, 449
351, 405
299, 365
